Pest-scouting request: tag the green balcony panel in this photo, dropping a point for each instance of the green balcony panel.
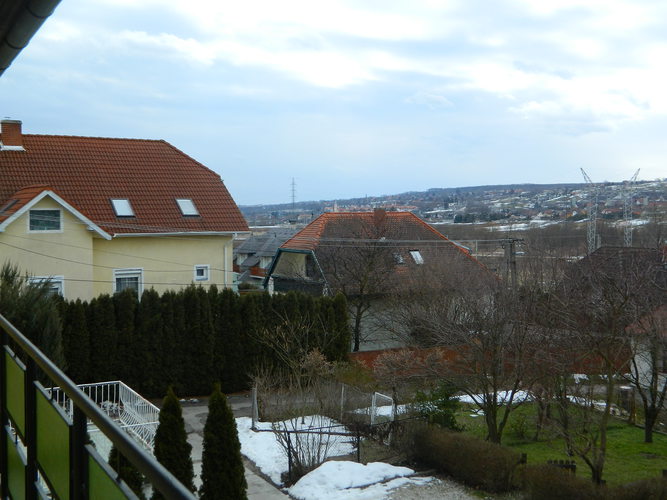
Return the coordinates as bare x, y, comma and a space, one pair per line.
101, 482
16, 462
15, 391
53, 430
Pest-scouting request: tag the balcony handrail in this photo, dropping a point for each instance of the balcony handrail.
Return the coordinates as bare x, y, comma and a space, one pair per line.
157, 474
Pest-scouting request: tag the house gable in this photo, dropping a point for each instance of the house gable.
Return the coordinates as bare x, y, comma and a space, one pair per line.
30, 197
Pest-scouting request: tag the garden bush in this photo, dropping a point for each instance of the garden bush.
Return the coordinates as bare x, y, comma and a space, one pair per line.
648, 489
438, 406
546, 482
467, 458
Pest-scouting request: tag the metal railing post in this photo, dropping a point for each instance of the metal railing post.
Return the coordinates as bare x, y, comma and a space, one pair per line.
4, 419
31, 429
79, 464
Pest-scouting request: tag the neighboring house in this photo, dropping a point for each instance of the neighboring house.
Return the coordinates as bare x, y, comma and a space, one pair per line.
98, 215
370, 257
254, 255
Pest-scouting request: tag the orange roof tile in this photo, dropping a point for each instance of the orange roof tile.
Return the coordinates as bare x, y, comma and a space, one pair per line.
332, 226
89, 171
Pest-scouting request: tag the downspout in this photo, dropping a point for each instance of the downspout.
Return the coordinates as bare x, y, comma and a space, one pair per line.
26, 23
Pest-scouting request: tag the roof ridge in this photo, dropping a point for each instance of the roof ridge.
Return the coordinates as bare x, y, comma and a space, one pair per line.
69, 136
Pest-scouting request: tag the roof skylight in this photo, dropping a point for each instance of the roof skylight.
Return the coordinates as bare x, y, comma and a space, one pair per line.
417, 256
122, 207
187, 206
8, 205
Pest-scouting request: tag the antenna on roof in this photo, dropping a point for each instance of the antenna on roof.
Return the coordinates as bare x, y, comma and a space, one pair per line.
293, 192
627, 209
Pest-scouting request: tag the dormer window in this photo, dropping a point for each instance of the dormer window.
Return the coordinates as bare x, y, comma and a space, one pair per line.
417, 257
45, 220
122, 207
187, 207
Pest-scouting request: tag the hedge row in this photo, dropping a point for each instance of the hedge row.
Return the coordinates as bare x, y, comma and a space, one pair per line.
475, 462
495, 468
192, 338
544, 482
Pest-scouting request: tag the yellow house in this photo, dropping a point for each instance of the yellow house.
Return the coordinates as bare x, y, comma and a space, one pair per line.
98, 215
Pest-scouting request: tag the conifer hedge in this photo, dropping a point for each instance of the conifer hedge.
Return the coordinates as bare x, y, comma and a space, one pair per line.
192, 338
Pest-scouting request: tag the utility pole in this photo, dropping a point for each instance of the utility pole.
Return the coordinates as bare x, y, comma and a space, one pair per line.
592, 215
627, 209
509, 245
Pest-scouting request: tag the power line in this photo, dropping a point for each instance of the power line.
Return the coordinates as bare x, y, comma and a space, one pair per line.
101, 265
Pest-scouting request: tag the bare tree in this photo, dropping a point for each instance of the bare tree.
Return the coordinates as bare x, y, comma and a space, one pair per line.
598, 299
483, 334
358, 261
648, 366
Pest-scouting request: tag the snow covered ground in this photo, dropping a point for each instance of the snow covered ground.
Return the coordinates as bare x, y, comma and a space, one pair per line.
332, 480
352, 481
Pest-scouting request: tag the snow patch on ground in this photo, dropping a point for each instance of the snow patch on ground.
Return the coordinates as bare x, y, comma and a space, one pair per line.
333, 479
519, 396
266, 452
352, 481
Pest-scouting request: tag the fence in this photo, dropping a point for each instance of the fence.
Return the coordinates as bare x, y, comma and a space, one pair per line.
121, 403
339, 401
44, 451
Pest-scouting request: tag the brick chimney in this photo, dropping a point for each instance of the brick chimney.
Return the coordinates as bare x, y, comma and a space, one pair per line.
11, 136
379, 217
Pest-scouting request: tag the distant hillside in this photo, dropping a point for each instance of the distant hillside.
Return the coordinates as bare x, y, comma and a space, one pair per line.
403, 198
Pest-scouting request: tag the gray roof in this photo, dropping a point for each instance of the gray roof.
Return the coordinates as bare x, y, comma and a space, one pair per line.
264, 245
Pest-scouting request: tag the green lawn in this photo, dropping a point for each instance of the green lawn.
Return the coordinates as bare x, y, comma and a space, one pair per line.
628, 457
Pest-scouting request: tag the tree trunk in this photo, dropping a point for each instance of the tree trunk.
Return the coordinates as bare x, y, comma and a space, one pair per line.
357, 328
649, 423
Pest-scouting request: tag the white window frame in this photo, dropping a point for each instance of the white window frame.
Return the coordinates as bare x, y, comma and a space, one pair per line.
122, 207
60, 220
417, 257
58, 281
187, 207
207, 272
129, 272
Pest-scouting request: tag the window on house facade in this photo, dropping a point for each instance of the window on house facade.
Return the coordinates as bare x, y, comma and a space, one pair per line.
417, 256
55, 284
45, 220
122, 207
128, 278
187, 207
202, 272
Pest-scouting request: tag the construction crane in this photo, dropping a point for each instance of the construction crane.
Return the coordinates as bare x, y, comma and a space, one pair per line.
627, 209
592, 215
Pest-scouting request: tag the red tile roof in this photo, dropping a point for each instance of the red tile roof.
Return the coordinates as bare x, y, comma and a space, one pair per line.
340, 226
89, 171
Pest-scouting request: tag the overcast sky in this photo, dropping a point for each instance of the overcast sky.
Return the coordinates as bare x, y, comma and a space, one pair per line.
354, 98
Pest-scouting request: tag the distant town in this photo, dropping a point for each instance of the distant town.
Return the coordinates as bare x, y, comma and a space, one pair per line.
502, 204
